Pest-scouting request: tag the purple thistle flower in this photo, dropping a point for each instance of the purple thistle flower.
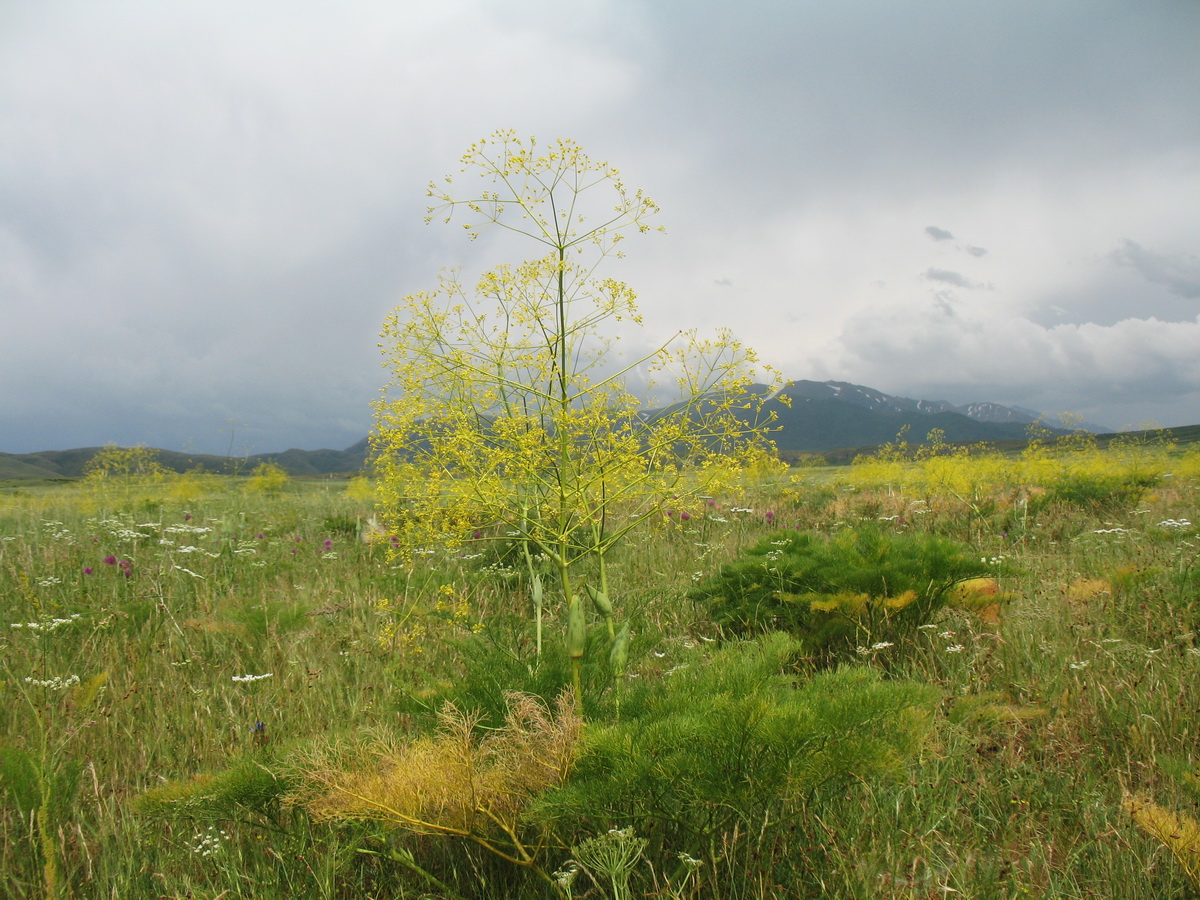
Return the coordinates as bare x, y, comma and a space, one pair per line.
685, 517
87, 570
110, 560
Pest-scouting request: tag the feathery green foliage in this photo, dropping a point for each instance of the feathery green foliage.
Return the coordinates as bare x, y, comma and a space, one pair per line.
734, 739
863, 585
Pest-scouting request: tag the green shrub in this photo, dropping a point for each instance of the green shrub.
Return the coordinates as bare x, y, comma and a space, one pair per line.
248, 785
1098, 492
861, 586
733, 741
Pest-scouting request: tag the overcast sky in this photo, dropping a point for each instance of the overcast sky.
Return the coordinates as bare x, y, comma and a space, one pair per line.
207, 207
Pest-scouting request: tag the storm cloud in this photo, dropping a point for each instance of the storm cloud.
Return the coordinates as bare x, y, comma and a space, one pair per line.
208, 208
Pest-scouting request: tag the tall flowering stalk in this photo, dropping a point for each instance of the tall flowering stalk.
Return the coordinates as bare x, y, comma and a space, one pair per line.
506, 408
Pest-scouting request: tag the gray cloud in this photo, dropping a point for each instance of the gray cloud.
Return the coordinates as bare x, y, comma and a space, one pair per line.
207, 208
956, 279
1179, 274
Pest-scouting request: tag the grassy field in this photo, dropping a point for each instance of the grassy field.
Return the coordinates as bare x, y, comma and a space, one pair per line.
221, 688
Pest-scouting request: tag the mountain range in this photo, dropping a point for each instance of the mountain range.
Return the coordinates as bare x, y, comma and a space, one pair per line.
831, 418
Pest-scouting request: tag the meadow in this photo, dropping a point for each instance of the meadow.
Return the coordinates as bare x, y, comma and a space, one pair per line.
922, 676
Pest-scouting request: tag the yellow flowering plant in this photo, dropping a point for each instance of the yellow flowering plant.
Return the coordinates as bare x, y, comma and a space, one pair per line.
508, 415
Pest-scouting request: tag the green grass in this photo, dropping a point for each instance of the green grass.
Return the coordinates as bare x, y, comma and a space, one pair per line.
1044, 714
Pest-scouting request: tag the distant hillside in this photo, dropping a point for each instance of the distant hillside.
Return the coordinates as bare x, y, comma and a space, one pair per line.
831, 415
832, 418
70, 463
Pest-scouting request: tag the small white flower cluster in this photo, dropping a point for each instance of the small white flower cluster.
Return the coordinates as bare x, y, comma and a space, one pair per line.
565, 876
189, 572
191, 549
1175, 523
208, 843
56, 683
49, 582
123, 532
248, 678
740, 509
46, 624
186, 529
1116, 529
992, 560
1078, 664
874, 648
57, 531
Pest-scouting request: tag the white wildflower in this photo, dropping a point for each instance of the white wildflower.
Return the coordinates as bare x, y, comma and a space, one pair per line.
46, 624
247, 678
55, 684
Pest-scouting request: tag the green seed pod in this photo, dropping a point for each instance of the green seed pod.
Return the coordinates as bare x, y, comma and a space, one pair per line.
576, 628
618, 657
603, 604
537, 591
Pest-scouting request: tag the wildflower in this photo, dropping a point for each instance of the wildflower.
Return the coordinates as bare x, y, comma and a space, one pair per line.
55, 684
46, 624
1078, 664
685, 517
328, 545
49, 582
566, 876
87, 570
955, 648
249, 678
110, 560
187, 517
208, 843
